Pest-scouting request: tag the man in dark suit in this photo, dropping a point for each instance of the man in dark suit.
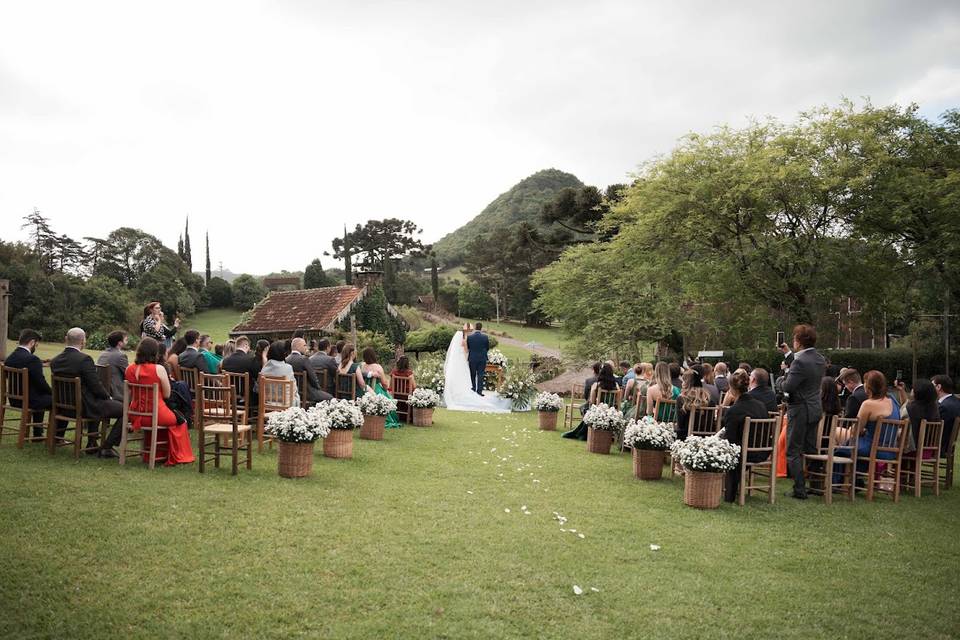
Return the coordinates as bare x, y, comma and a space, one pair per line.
761, 390
748, 405
856, 393
477, 346
72, 362
40, 394
191, 357
242, 361
801, 384
300, 362
116, 359
323, 361
949, 408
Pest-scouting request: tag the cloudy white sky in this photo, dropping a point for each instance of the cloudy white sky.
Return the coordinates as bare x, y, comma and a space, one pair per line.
274, 123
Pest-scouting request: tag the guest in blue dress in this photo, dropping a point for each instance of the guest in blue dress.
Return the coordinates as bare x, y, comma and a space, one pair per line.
879, 405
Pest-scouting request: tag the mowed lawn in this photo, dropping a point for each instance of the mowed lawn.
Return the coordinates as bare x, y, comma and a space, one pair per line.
412, 539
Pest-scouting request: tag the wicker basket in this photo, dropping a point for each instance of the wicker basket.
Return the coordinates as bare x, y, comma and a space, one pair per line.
422, 417
647, 464
339, 444
372, 428
548, 420
295, 459
599, 440
702, 489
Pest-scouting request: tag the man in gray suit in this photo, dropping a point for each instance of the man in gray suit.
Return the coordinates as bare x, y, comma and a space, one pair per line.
116, 359
322, 361
191, 358
300, 362
801, 384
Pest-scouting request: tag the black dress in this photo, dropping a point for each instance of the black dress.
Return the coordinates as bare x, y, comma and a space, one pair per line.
580, 431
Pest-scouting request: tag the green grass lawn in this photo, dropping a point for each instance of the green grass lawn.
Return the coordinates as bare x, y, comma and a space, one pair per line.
216, 322
412, 539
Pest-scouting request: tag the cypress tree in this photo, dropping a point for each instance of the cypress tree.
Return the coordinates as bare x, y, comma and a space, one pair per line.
347, 270
208, 258
434, 279
188, 254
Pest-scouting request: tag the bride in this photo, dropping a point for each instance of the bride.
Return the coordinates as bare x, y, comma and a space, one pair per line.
458, 393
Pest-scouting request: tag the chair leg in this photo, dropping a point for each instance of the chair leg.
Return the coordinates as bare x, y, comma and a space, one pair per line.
153, 448
216, 452
124, 440
742, 492
202, 446
233, 455
260, 433
936, 476
249, 448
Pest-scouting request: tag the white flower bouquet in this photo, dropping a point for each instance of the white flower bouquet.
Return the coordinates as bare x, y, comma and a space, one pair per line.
338, 414
430, 374
548, 402
519, 386
495, 356
647, 433
604, 418
712, 454
374, 404
423, 398
296, 425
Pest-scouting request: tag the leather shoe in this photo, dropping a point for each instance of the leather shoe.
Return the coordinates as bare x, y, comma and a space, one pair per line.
107, 453
793, 494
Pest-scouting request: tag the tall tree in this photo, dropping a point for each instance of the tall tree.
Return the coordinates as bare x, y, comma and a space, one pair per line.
378, 241
187, 252
314, 276
434, 279
207, 274
42, 236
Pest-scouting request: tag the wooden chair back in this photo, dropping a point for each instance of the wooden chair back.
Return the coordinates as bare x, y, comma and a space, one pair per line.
346, 385
66, 407
191, 377
703, 421
15, 396
146, 397
759, 436
930, 439
275, 394
400, 389
302, 389
949, 456
571, 405
609, 397
889, 440
106, 378
922, 466
323, 377
216, 400
240, 383
665, 410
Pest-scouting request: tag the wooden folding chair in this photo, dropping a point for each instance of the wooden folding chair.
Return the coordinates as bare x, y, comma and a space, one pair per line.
825, 465
191, 377
142, 395
276, 394
572, 406
66, 408
323, 378
760, 438
15, 396
400, 390
240, 383
921, 467
346, 386
665, 410
947, 458
610, 397
219, 417
889, 440
703, 421
303, 389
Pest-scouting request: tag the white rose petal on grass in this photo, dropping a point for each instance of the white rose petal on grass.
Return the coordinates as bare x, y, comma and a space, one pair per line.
506, 510
470, 492
577, 590
654, 547
594, 589
581, 536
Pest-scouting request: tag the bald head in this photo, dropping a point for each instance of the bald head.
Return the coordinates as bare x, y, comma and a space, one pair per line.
76, 338
298, 344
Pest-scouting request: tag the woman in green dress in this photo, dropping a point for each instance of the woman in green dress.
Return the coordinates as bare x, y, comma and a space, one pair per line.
350, 368
373, 376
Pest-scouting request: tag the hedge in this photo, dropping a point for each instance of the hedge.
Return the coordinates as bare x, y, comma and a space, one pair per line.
435, 338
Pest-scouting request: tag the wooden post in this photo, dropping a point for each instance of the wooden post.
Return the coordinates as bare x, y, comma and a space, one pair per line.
353, 330
4, 310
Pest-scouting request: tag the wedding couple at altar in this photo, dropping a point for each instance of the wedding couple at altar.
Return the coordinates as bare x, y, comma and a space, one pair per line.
464, 371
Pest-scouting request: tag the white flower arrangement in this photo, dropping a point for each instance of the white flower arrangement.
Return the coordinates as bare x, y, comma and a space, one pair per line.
713, 454
647, 433
519, 386
374, 404
548, 402
495, 356
430, 374
338, 414
423, 398
604, 418
296, 425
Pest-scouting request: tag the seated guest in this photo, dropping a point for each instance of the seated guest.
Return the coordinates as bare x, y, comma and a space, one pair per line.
145, 370
351, 368
606, 381
242, 361
692, 396
720, 377
922, 406
746, 367
116, 359
949, 407
276, 367
879, 405
173, 357
23, 357
336, 350
72, 362
746, 406
321, 361
662, 388
374, 376
631, 392
626, 373
211, 361
760, 388
190, 357
314, 346
830, 399
588, 385
675, 371
856, 393
153, 324
300, 362
709, 382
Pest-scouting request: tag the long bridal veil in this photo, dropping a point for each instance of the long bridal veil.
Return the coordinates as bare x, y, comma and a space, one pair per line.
458, 393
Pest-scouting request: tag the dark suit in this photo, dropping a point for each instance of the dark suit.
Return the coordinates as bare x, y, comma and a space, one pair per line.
97, 404
192, 359
746, 406
788, 358
949, 410
40, 393
477, 346
765, 395
300, 362
118, 363
240, 362
324, 362
855, 399
802, 384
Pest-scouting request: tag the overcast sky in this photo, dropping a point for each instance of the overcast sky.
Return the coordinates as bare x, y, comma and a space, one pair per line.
274, 123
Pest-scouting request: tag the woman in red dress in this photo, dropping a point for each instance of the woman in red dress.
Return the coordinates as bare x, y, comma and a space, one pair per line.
145, 370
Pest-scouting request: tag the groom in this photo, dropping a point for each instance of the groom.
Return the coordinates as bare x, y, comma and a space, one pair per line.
477, 346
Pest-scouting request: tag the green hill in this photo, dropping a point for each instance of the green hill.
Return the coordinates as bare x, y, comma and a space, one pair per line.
522, 203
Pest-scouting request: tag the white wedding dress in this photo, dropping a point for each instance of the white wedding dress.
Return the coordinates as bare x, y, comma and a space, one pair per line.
458, 393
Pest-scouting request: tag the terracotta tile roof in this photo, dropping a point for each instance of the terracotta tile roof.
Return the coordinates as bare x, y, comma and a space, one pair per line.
307, 309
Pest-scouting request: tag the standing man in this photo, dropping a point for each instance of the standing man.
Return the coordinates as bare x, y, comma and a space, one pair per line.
40, 394
949, 408
477, 346
116, 359
802, 386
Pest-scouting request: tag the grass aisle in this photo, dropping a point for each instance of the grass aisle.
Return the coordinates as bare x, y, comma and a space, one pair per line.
412, 539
